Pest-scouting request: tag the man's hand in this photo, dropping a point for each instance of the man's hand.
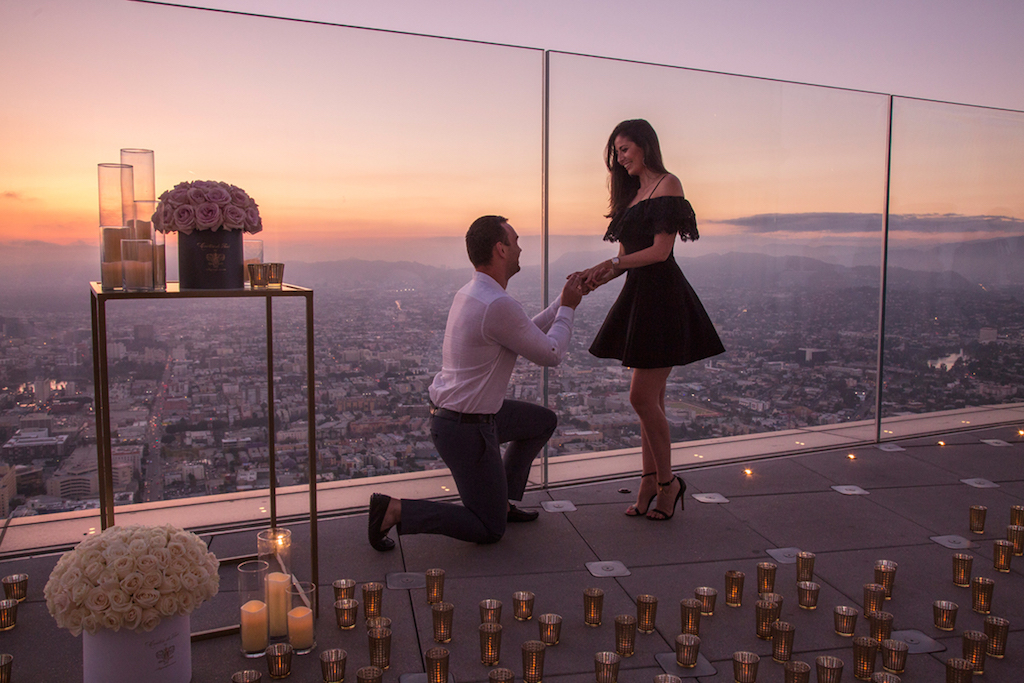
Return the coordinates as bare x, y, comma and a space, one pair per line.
572, 292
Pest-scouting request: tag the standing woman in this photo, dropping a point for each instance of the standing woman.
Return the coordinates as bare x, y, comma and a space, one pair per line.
657, 322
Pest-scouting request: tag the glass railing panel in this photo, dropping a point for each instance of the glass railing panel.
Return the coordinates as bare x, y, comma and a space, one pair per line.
955, 281
788, 185
369, 155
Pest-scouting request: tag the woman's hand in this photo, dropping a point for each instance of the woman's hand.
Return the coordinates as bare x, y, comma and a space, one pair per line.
598, 275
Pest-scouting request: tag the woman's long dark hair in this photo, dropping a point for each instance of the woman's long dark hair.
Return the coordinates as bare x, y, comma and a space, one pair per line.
623, 186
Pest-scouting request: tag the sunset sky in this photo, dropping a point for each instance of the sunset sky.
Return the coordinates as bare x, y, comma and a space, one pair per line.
348, 136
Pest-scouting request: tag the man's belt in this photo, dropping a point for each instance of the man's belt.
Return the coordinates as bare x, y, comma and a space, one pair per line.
464, 418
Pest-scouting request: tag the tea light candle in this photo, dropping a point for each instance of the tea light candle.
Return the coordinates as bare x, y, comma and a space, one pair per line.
277, 602
300, 627
254, 626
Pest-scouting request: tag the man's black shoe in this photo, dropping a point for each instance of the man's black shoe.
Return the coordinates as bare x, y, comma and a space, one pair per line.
378, 509
517, 515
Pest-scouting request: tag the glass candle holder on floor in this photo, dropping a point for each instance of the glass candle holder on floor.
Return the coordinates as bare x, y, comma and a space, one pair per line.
981, 594
625, 635
689, 615
373, 597
369, 674
606, 667
533, 661
744, 667
845, 620
435, 586
344, 589
962, 563
1002, 554
442, 613
959, 670
593, 601
16, 587
490, 611
734, 588
346, 611
944, 614
865, 653
796, 672
885, 574
975, 646
766, 577
807, 594
707, 597
894, 655
829, 669
687, 649
279, 660
997, 629
881, 625
805, 566
550, 626
1015, 535
332, 665
490, 643
254, 618
874, 596
8, 614
437, 664
646, 613
301, 634
380, 647
782, 641
977, 519
522, 605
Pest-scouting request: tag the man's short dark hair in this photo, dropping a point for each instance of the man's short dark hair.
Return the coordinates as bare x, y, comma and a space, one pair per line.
481, 237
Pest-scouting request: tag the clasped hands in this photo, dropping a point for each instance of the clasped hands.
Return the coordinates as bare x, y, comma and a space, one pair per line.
595, 276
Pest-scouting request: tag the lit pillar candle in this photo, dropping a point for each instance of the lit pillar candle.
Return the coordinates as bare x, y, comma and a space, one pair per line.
254, 626
277, 601
300, 627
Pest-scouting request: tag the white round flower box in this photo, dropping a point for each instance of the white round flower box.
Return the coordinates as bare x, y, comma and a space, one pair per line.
163, 655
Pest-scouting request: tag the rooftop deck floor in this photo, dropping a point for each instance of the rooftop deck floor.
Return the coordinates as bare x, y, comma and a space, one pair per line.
913, 494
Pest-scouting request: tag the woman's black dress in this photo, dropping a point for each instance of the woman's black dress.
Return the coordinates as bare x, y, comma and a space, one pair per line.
657, 321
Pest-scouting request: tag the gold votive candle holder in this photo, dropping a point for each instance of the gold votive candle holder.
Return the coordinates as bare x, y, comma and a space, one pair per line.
962, 563
435, 586
332, 665
1017, 515
501, 675
490, 643
881, 625
734, 588
6, 663
766, 577
625, 635
259, 275
490, 611
865, 652
1015, 535
981, 594
763, 618
437, 664
744, 667
16, 587
944, 614
533, 661
344, 589
275, 275
346, 610
373, 596
369, 674
380, 647
845, 618
646, 612
782, 641
279, 660
606, 667
997, 629
246, 676
977, 519
894, 655
805, 566
829, 669
797, 672
8, 614
550, 627
442, 613
689, 615
874, 596
667, 678
807, 594
522, 605
975, 647
959, 670
687, 649
593, 601
1002, 553
707, 596
776, 600
885, 574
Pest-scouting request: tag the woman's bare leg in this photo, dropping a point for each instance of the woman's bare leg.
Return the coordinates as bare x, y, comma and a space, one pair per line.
647, 396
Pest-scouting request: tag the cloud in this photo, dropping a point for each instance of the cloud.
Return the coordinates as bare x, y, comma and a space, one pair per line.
17, 196
872, 222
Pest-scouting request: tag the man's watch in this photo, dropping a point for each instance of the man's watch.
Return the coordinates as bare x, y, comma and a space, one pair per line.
615, 261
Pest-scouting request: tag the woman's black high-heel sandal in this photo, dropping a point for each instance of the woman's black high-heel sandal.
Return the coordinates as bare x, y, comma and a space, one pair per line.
663, 516
633, 510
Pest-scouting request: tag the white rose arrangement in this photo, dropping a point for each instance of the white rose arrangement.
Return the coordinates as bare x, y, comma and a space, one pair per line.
131, 577
206, 205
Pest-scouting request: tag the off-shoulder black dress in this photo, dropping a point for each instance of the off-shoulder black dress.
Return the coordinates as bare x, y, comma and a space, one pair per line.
657, 321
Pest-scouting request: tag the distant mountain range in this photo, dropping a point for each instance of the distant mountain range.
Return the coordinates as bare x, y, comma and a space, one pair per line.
54, 276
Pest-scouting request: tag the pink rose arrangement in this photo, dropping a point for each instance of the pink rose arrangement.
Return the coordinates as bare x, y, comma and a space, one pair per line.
206, 205
131, 577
